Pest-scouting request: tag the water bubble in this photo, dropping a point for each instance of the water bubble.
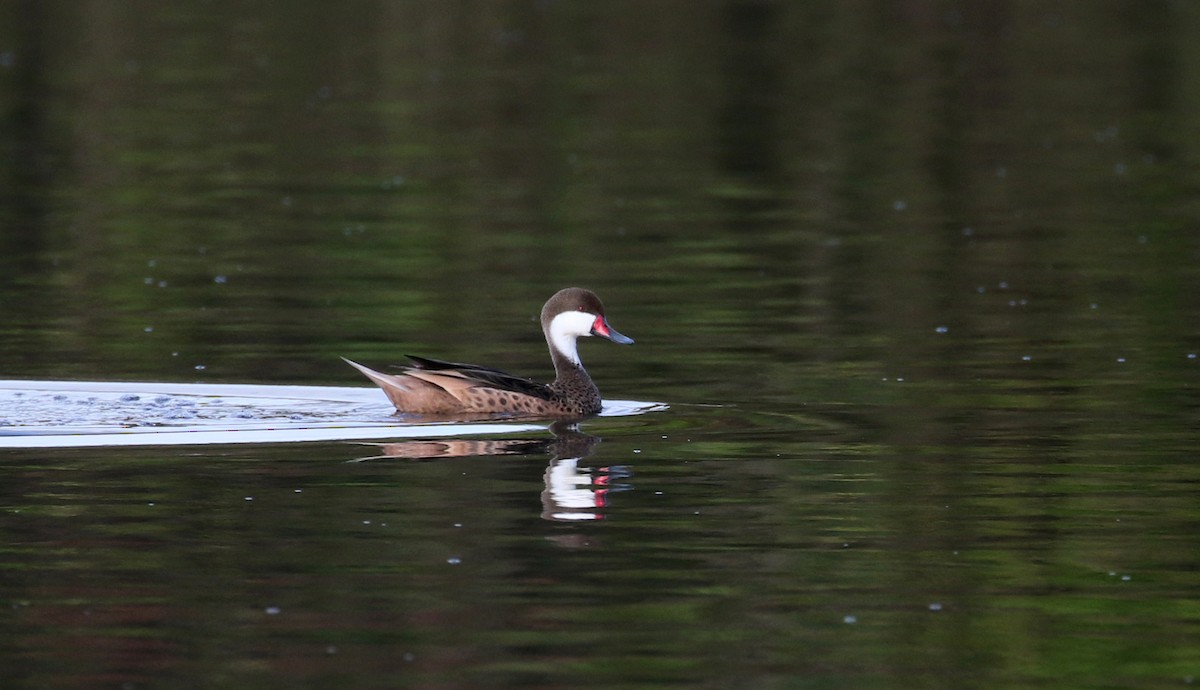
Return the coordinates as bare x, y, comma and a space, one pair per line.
248, 498
1120, 360
200, 367
935, 606
849, 620
899, 205
454, 560
220, 279
1026, 358
967, 232
942, 329
1003, 285
272, 610
1191, 355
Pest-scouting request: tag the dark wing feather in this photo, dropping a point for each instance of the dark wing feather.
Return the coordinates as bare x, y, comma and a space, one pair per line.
493, 378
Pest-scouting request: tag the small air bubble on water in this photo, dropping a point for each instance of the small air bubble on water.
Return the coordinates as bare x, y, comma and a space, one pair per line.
220, 279
935, 606
200, 367
899, 205
941, 329
849, 620
454, 560
1026, 358
272, 610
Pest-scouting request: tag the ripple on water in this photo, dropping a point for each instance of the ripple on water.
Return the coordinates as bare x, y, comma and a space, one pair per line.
68, 413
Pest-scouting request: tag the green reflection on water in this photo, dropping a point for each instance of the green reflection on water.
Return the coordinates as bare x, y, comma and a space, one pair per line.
933, 265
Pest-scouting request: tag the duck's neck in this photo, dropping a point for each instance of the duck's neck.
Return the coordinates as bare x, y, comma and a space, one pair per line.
572, 382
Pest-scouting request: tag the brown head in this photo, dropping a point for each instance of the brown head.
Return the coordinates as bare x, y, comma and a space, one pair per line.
575, 313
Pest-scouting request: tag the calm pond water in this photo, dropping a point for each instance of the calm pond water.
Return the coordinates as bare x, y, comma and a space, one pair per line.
918, 284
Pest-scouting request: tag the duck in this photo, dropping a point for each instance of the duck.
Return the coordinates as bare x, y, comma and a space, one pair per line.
433, 387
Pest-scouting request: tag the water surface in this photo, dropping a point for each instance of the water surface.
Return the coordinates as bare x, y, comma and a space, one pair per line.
916, 284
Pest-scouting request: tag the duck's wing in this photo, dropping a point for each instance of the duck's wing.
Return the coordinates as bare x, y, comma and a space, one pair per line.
484, 376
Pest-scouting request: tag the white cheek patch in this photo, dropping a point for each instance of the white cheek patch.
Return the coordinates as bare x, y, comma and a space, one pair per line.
568, 326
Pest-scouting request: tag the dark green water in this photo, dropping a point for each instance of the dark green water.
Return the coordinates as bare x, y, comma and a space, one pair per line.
920, 282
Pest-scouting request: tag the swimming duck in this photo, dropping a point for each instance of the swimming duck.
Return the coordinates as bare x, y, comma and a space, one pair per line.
434, 387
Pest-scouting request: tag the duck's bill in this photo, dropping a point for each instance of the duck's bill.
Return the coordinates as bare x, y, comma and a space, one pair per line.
602, 329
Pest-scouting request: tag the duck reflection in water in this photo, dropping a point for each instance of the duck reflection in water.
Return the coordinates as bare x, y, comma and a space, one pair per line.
572, 493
